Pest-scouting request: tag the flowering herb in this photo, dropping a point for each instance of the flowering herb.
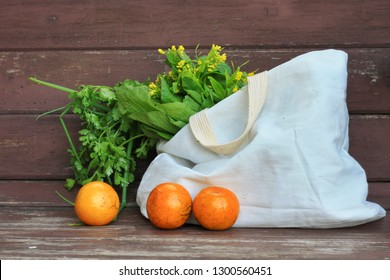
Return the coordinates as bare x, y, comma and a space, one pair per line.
190, 86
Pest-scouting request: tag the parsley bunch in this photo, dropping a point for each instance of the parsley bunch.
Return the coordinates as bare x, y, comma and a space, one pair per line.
108, 140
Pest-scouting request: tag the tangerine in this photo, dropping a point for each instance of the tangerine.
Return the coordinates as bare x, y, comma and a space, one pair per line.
216, 208
169, 205
96, 204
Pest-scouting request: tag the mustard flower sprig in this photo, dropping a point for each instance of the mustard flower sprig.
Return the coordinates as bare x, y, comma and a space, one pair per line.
207, 79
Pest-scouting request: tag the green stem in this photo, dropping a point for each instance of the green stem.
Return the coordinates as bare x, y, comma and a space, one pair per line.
126, 176
51, 111
101, 107
109, 181
35, 80
67, 133
65, 199
132, 139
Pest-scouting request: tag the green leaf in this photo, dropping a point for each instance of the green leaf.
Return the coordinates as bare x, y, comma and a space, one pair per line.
179, 124
172, 59
192, 86
106, 94
219, 91
166, 94
78, 166
94, 163
93, 120
223, 68
155, 119
178, 111
161, 120
195, 96
207, 103
84, 132
108, 171
155, 133
116, 113
191, 103
69, 183
175, 87
134, 98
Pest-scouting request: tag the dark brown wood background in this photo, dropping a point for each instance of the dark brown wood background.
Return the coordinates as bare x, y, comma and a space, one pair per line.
102, 42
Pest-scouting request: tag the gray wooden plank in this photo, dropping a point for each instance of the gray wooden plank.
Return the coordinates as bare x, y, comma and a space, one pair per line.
45, 233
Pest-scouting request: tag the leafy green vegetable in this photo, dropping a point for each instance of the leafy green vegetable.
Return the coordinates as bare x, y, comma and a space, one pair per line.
191, 85
124, 122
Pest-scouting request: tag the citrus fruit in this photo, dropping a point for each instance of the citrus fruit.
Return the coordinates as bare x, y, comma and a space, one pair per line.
96, 204
169, 206
216, 208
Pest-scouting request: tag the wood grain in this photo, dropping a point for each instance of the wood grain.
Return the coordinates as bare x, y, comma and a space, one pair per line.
37, 149
368, 80
45, 233
144, 24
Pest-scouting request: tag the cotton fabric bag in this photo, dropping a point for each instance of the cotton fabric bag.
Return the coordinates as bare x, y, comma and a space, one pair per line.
280, 144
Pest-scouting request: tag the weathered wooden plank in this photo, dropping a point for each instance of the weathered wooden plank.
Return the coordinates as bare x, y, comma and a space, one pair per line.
368, 83
128, 24
45, 193
33, 149
37, 149
40, 193
44, 233
70, 69
379, 193
369, 137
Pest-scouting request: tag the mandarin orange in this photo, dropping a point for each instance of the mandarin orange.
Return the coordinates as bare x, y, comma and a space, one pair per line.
216, 208
169, 205
96, 204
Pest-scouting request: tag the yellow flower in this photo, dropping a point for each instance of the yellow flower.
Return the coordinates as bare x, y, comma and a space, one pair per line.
223, 57
238, 75
161, 51
173, 48
216, 47
152, 85
211, 67
180, 49
235, 89
251, 74
181, 64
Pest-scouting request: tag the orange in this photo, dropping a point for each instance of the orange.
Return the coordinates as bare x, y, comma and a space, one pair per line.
169, 206
216, 208
96, 204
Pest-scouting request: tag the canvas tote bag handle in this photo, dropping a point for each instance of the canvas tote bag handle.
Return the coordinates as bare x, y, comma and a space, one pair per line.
202, 129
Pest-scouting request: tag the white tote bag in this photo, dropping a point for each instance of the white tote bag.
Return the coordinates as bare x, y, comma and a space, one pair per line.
280, 144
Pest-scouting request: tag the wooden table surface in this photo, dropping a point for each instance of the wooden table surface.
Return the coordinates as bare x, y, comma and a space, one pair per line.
36, 229
48, 233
